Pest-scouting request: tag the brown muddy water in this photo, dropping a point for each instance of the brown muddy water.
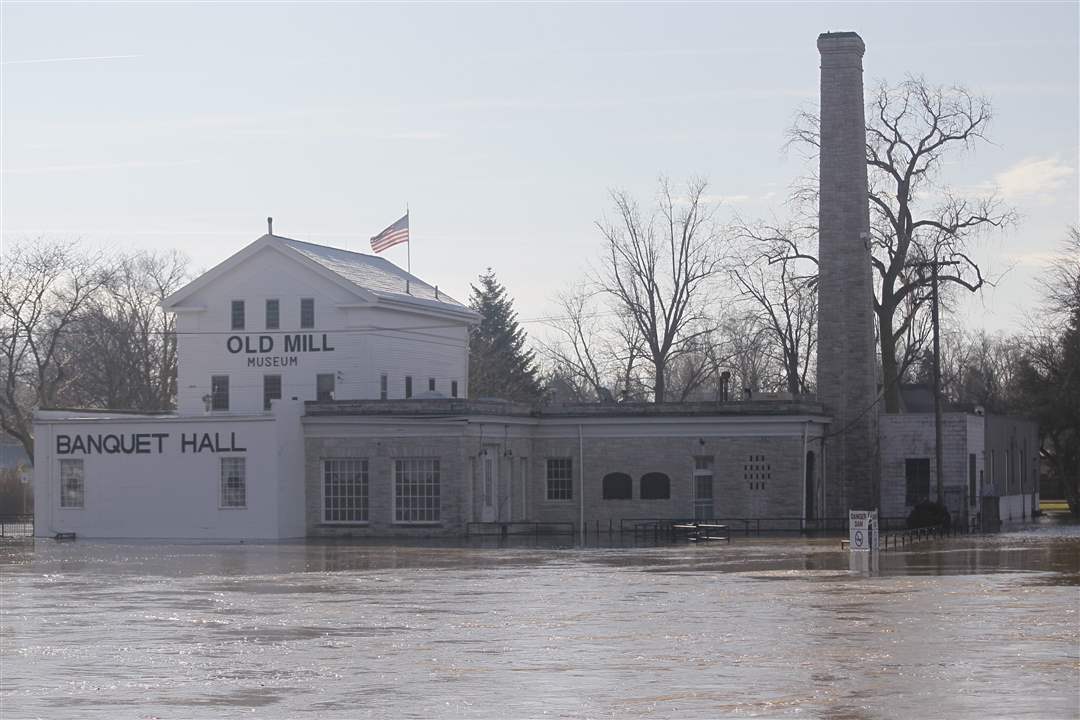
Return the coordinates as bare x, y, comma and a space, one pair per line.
983, 627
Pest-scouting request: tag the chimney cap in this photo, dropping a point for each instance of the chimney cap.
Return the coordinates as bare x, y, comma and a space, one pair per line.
841, 42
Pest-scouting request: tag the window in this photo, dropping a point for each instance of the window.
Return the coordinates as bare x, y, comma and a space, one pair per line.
431, 384
72, 489
756, 471
345, 490
383, 387
971, 478
324, 387
271, 389
237, 314
560, 479
655, 486
917, 480
408, 386
618, 486
307, 312
233, 482
416, 490
1008, 479
453, 388
273, 315
703, 487
219, 392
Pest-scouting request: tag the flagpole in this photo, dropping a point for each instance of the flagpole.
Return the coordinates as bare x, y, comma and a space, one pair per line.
408, 251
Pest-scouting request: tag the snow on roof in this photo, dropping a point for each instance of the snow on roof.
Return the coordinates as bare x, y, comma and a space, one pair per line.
370, 272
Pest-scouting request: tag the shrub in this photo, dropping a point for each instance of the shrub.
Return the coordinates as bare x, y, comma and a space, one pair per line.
928, 514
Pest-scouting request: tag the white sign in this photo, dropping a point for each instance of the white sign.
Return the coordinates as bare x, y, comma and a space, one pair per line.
863, 532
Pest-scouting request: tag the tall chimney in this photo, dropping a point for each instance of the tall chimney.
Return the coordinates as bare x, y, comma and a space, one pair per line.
847, 377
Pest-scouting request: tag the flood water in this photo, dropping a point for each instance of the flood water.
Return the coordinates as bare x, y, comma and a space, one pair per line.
965, 628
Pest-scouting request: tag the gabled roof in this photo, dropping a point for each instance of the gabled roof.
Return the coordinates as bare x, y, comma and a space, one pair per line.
371, 278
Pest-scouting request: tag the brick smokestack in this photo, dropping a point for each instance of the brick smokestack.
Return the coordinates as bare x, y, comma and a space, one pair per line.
847, 362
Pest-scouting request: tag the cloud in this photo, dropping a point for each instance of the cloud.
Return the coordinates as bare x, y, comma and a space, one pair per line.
414, 135
123, 165
1032, 176
728, 199
38, 61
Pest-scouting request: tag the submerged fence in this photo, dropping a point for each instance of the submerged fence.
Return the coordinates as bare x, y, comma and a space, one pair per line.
16, 525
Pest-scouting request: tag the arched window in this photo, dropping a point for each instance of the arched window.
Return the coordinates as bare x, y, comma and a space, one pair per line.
655, 486
618, 486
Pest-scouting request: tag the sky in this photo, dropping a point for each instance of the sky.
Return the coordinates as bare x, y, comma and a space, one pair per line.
503, 127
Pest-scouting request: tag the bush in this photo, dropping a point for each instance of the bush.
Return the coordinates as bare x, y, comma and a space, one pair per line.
928, 514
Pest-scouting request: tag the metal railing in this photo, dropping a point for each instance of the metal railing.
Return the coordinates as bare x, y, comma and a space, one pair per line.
16, 525
507, 529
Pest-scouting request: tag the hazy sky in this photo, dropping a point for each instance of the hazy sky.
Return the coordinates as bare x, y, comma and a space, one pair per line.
503, 126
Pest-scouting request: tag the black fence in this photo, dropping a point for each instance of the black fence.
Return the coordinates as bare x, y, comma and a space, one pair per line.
752, 526
507, 529
16, 526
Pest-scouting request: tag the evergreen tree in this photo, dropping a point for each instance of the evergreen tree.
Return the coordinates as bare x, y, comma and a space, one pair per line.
499, 363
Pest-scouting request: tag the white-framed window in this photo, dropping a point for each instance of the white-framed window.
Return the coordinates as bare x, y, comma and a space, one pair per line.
345, 490
560, 478
273, 314
271, 389
233, 482
72, 484
324, 387
237, 315
219, 392
307, 313
417, 490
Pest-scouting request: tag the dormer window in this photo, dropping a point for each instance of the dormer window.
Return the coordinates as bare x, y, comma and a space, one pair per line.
237, 315
307, 313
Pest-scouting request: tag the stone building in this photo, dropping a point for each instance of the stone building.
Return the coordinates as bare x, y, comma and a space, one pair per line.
325, 392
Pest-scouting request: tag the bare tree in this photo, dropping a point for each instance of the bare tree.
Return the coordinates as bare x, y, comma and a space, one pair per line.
133, 339
753, 367
776, 272
595, 352
915, 220
44, 286
658, 269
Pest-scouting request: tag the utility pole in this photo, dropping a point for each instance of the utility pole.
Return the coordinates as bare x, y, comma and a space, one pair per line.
939, 463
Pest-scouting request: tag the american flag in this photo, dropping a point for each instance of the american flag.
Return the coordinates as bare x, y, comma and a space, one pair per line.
394, 235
